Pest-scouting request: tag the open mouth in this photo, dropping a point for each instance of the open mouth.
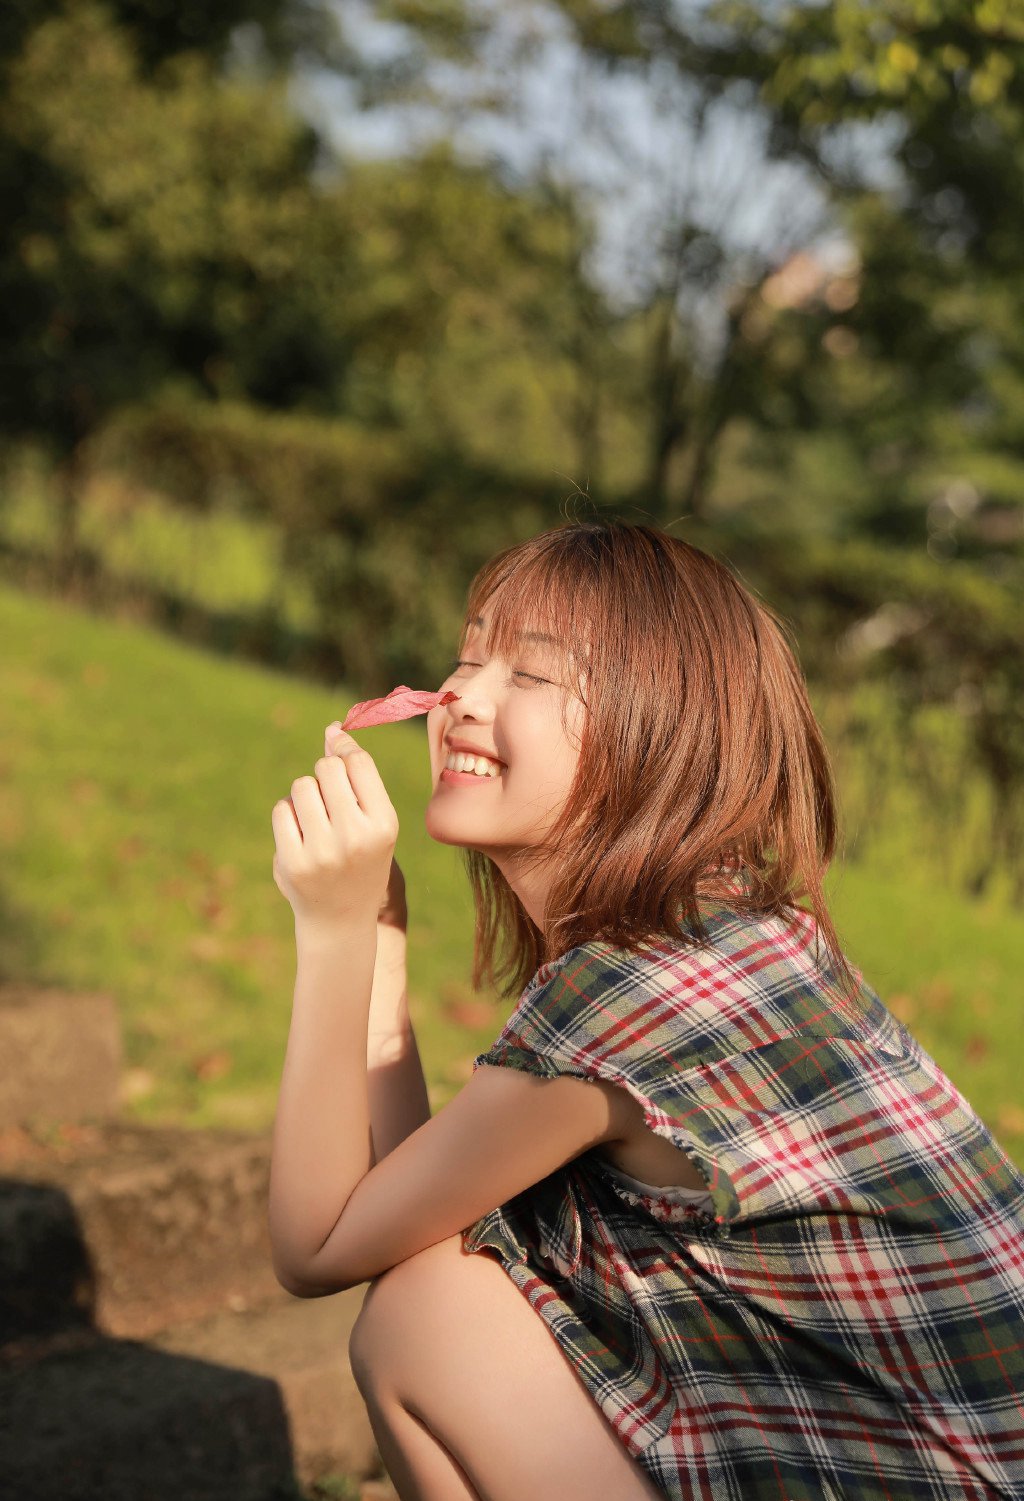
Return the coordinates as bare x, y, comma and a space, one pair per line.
450, 774
475, 767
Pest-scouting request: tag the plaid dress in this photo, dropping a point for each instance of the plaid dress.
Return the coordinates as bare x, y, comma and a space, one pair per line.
848, 1321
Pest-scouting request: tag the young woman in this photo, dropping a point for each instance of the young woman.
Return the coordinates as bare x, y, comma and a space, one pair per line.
706, 1221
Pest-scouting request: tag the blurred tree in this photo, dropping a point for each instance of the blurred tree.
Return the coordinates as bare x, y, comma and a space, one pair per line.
281, 31
694, 260
911, 112
912, 116
478, 330
173, 224
907, 366
155, 227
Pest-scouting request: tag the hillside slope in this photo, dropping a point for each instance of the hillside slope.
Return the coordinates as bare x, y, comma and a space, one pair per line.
138, 777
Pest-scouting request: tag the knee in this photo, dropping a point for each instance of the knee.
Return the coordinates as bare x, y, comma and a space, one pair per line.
398, 1309
373, 1332
382, 1329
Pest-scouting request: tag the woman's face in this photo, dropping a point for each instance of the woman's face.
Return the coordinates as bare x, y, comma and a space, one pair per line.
512, 711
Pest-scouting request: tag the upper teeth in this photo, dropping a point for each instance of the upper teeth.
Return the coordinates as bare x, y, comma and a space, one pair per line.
483, 766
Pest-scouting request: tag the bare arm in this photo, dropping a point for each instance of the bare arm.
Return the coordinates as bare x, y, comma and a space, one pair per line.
349, 1012
398, 1096
335, 1119
321, 1145
337, 1218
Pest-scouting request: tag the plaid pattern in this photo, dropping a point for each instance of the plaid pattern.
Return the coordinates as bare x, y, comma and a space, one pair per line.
849, 1321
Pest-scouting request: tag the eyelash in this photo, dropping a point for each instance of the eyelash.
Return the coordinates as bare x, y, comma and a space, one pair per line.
461, 662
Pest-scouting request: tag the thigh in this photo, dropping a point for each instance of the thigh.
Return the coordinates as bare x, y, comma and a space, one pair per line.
450, 1335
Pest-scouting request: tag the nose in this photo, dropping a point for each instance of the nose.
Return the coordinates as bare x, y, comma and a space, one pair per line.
475, 703
476, 694
473, 707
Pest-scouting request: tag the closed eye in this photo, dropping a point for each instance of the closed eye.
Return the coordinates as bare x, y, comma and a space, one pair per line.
516, 673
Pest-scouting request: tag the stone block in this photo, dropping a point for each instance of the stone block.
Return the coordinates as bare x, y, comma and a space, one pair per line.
113, 1420
174, 1220
302, 1345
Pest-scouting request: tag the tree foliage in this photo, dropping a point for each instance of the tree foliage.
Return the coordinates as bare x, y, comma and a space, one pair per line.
404, 364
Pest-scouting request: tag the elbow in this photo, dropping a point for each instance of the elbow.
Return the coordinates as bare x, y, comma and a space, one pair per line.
294, 1281
294, 1286
310, 1284
319, 1273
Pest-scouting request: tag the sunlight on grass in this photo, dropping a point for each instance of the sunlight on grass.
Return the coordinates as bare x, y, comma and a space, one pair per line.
135, 826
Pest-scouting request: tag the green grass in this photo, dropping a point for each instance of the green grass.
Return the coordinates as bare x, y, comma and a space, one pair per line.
138, 779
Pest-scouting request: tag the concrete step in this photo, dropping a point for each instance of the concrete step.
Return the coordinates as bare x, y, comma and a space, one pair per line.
88, 1418
301, 1344
142, 1226
61, 1053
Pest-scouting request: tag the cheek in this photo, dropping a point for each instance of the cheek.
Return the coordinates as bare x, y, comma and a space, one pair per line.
435, 733
544, 755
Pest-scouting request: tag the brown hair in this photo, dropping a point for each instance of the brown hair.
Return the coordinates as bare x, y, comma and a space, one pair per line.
691, 686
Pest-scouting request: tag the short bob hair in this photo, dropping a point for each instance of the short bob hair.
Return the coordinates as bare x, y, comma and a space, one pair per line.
702, 768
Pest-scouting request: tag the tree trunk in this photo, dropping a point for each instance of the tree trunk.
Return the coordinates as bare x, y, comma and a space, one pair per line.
68, 479
668, 421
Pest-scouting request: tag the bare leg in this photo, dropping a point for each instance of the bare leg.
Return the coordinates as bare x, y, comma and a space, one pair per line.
419, 1466
447, 1350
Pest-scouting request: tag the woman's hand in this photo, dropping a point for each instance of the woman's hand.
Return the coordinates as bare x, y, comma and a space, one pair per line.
393, 911
335, 839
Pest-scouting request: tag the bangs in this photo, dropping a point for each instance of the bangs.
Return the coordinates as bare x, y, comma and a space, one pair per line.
527, 603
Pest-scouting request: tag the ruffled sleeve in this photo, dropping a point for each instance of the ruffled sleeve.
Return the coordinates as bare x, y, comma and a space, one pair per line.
600, 1012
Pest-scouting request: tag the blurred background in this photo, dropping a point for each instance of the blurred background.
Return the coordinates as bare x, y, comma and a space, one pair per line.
310, 308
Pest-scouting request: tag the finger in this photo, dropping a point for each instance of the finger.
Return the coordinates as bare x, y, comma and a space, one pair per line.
287, 834
363, 776
329, 736
311, 812
336, 789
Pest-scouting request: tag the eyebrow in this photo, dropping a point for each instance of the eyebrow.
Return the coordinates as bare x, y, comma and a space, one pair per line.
528, 636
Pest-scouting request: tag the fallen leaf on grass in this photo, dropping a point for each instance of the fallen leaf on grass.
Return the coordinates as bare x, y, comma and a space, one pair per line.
213, 1065
471, 1014
214, 910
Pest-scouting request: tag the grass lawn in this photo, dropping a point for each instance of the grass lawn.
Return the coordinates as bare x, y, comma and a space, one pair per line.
138, 778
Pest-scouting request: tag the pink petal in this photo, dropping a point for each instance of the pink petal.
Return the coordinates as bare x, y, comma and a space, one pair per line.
400, 703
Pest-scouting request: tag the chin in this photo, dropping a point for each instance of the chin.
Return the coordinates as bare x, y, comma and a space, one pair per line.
436, 828
440, 834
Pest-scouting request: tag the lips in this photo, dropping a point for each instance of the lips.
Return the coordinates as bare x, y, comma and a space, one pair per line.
463, 747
